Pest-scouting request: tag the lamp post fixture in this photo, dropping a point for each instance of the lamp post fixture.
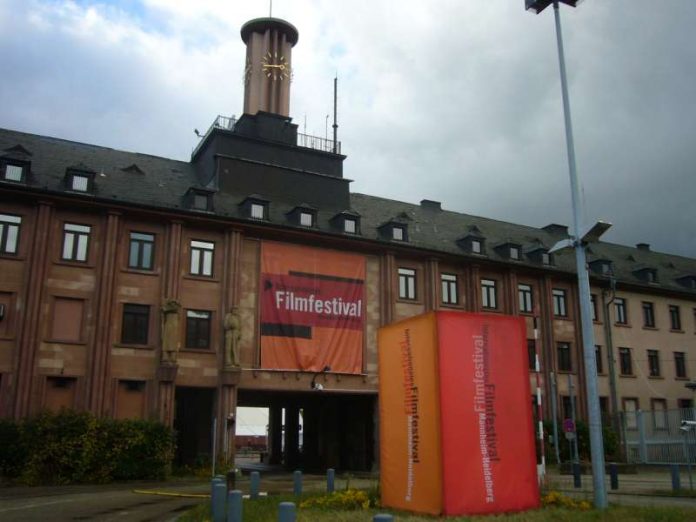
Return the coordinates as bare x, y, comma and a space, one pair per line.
578, 242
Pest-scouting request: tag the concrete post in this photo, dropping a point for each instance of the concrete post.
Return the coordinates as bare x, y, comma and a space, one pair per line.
234, 506
254, 484
297, 483
286, 512
217, 501
330, 476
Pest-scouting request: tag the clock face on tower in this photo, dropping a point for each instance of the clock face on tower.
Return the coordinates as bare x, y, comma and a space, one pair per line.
275, 66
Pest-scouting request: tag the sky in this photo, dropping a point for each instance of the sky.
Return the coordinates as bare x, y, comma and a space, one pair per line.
457, 101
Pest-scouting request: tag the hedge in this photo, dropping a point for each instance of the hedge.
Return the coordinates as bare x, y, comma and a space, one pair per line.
77, 447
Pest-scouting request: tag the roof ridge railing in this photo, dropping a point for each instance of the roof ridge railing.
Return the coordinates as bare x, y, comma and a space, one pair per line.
303, 140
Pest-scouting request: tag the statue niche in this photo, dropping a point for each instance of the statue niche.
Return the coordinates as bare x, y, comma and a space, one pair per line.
170, 330
233, 333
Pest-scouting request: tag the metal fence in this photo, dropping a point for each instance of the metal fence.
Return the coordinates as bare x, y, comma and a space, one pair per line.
656, 437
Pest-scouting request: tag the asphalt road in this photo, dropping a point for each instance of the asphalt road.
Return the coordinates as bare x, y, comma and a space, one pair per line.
104, 505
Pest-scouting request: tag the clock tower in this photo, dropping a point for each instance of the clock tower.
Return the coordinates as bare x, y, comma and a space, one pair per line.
268, 68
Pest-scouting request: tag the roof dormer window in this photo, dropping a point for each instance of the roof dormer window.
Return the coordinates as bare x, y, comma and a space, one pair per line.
306, 218
545, 259
394, 230
199, 199
79, 183
398, 233
476, 246
602, 266
257, 211
514, 253
350, 225
14, 173
79, 178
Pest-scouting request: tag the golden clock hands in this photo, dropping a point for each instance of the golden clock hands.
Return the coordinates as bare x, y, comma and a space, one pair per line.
269, 65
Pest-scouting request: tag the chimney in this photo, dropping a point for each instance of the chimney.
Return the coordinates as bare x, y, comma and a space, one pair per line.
268, 68
430, 204
643, 246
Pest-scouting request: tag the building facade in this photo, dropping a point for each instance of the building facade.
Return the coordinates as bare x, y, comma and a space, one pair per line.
135, 286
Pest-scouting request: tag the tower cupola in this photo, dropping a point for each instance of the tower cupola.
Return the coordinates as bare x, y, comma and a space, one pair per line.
268, 69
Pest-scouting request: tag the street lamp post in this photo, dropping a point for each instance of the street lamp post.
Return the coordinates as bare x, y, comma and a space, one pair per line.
578, 242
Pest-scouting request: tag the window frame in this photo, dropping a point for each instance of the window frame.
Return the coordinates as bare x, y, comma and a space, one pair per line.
564, 354
10, 222
407, 283
141, 242
675, 318
620, 310
659, 413
648, 308
398, 233
560, 302
195, 326
631, 416
594, 310
654, 369
489, 294
256, 208
449, 287
599, 361
197, 257
20, 166
139, 321
625, 361
303, 215
76, 234
525, 298
680, 360
353, 222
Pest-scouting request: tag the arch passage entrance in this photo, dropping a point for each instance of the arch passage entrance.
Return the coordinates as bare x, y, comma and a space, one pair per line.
318, 430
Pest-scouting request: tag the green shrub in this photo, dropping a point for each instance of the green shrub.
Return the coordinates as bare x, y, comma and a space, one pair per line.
73, 447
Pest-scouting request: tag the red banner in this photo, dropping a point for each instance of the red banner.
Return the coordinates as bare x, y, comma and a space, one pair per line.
312, 304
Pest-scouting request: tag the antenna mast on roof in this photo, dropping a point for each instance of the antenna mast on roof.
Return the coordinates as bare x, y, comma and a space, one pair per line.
335, 122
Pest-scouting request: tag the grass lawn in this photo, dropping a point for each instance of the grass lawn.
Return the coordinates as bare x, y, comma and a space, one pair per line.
266, 510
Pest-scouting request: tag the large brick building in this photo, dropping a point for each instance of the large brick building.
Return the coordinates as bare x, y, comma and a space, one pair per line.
125, 280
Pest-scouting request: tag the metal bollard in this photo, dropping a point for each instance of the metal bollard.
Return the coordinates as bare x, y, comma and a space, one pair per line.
234, 506
330, 476
383, 518
577, 478
676, 481
614, 476
217, 501
286, 512
297, 483
254, 485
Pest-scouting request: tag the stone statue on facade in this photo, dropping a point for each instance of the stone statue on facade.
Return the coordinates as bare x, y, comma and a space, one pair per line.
170, 330
233, 333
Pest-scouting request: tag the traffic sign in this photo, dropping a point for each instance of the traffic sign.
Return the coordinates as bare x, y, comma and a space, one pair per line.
568, 426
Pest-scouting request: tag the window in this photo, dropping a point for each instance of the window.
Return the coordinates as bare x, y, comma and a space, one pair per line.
566, 407
653, 363
514, 253
306, 219
67, 320
141, 252
674, 317
598, 358
680, 365
625, 361
648, 315
476, 246
565, 359
75, 242
398, 233
407, 283
531, 354
9, 233
350, 226
620, 308
630, 409
489, 298
685, 403
197, 329
525, 296
659, 411
136, 322
79, 183
559, 303
257, 211
545, 258
202, 257
593, 301
14, 172
449, 289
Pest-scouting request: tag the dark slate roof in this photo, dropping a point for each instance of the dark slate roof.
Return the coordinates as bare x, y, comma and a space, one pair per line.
134, 178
